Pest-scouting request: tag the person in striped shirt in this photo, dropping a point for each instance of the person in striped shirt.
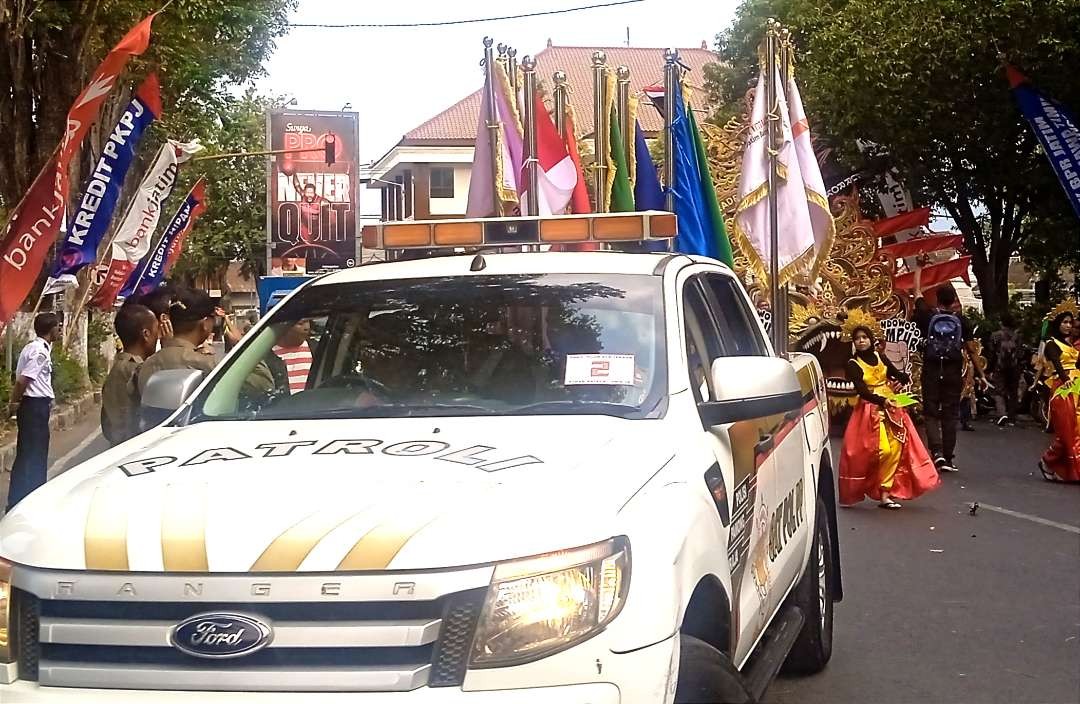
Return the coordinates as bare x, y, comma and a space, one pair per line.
293, 350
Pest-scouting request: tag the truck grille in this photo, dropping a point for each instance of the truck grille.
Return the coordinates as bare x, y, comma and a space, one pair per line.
316, 646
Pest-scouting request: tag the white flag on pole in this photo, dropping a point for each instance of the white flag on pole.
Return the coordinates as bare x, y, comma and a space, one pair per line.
817, 200
796, 235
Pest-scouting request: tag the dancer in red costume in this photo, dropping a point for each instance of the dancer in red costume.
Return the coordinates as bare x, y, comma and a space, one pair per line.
882, 456
1061, 462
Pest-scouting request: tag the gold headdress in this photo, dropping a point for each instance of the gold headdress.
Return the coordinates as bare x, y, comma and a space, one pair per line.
1066, 306
857, 317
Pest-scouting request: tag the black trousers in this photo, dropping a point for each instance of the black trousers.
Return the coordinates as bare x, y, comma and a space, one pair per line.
1006, 386
32, 451
941, 385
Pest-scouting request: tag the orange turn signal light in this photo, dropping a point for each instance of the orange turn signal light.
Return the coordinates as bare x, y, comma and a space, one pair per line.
406, 235
459, 233
662, 225
564, 230
626, 227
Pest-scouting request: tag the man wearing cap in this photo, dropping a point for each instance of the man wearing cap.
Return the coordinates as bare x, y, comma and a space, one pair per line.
31, 401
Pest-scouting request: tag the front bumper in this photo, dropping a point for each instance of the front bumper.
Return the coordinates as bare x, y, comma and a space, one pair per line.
645, 676
31, 693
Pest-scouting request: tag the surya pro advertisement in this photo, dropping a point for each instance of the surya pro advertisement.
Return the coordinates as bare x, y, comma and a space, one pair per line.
312, 204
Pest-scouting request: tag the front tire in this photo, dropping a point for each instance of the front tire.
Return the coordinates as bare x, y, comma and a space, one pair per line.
706, 676
814, 595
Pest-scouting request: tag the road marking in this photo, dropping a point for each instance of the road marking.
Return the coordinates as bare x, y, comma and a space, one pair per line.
59, 464
1029, 517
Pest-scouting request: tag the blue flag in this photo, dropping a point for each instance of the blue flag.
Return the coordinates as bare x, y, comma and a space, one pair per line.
89, 223
1056, 130
647, 193
695, 222
152, 270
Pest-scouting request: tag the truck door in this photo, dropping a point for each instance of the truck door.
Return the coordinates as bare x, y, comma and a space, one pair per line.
788, 532
743, 459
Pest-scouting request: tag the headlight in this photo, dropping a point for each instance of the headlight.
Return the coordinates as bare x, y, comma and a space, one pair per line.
541, 605
6, 627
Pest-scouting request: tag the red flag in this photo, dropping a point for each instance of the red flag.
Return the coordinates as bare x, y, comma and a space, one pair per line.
935, 274
579, 199
36, 221
902, 221
921, 245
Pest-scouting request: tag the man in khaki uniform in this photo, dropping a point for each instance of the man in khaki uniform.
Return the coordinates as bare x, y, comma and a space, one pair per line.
192, 314
138, 330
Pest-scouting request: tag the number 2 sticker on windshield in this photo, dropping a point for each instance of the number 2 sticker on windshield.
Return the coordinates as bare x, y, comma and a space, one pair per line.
599, 369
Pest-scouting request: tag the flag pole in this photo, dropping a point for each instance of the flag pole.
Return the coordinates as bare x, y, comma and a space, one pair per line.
528, 66
560, 102
623, 75
599, 65
671, 58
492, 122
512, 68
783, 304
779, 336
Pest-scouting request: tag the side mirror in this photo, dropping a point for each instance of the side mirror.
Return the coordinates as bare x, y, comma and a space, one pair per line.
751, 387
168, 389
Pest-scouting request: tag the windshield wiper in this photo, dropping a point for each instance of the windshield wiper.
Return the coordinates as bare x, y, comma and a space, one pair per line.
385, 410
570, 405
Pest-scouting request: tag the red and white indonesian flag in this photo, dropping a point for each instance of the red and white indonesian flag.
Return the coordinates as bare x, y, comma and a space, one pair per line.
817, 200
796, 231
556, 173
134, 233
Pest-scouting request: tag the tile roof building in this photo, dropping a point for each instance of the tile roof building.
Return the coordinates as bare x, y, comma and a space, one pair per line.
426, 174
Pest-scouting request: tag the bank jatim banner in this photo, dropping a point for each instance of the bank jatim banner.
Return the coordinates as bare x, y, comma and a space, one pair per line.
133, 235
313, 205
153, 269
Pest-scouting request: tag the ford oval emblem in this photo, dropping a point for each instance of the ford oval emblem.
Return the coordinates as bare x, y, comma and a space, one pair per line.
220, 635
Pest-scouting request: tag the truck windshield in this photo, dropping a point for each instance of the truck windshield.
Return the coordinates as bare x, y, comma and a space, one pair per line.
477, 345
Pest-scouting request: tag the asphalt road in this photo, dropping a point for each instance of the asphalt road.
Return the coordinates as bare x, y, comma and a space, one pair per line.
944, 606
941, 606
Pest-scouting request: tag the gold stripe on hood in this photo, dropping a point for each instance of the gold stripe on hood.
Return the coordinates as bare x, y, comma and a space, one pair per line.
382, 543
183, 528
105, 535
291, 548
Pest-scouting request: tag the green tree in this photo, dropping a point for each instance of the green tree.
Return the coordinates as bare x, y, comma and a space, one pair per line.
233, 228
922, 81
199, 47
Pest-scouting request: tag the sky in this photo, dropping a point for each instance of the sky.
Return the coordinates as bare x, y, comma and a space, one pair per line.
398, 78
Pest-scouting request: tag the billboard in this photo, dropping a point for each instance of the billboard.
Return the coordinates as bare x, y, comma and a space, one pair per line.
311, 218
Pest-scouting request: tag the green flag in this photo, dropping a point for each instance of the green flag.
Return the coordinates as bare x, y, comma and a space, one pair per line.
622, 195
708, 194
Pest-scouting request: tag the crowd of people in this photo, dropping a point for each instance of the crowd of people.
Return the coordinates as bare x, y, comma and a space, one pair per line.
883, 457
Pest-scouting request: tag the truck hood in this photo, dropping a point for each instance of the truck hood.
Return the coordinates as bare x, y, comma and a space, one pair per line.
326, 495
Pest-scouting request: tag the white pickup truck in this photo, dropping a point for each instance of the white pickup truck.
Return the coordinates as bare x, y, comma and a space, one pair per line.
500, 477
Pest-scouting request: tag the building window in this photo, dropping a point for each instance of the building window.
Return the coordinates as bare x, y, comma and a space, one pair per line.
442, 183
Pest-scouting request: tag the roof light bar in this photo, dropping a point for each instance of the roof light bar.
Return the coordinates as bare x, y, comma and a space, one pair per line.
499, 232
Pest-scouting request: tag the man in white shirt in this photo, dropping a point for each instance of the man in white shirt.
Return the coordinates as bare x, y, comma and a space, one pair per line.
31, 401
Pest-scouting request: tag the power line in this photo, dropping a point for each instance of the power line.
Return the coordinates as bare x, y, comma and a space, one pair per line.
445, 23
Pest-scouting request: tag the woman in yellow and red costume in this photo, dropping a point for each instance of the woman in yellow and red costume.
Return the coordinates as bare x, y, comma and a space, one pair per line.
882, 457
1061, 462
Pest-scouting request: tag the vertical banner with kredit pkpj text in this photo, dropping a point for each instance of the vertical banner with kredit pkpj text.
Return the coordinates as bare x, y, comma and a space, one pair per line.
312, 205
34, 225
133, 235
153, 269
88, 225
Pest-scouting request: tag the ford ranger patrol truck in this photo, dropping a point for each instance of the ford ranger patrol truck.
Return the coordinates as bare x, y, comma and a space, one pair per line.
505, 477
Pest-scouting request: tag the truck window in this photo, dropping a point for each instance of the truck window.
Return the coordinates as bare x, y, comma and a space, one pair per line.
521, 344
702, 341
740, 335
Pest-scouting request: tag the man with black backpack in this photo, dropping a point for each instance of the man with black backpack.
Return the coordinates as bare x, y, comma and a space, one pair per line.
947, 337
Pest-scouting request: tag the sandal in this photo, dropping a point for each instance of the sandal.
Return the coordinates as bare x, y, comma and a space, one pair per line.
1047, 474
889, 504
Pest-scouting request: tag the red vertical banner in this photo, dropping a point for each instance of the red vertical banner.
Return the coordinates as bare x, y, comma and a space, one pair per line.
312, 204
36, 221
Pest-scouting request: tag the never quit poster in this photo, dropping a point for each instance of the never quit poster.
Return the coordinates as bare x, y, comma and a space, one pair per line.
312, 206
